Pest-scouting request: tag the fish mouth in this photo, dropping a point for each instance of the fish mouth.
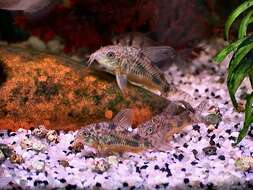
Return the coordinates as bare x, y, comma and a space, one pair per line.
94, 60
95, 64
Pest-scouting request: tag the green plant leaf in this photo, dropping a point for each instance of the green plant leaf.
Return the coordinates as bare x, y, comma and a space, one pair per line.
236, 77
231, 47
243, 49
251, 78
244, 25
244, 6
248, 118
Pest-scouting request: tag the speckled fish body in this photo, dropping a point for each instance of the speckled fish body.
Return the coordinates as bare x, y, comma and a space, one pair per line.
160, 129
105, 140
134, 65
153, 134
113, 136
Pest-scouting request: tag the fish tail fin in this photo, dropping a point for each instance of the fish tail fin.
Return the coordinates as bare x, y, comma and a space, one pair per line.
201, 107
175, 94
198, 111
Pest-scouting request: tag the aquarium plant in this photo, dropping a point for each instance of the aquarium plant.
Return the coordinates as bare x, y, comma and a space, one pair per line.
241, 63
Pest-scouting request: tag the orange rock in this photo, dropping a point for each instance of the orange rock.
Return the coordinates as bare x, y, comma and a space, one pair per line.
44, 89
108, 114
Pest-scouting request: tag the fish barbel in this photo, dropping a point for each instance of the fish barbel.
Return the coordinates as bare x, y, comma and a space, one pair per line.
115, 136
135, 65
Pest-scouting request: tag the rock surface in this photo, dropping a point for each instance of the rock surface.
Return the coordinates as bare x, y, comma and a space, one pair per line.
44, 89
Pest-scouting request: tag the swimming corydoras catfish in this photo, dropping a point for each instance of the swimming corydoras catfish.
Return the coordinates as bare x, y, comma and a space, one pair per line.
136, 66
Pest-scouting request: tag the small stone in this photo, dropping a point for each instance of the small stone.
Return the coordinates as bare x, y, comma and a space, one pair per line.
16, 159
62, 180
100, 165
185, 145
64, 163
213, 119
38, 146
194, 163
77, 146
221, 157
108, 114
186, 180
211, 127
244, 163
210, 150
52, 136
112, 160
38, 165
25, 143
144, 167
196, 127
40, 131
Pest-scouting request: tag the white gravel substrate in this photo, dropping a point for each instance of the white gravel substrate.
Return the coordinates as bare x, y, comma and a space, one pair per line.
184, 166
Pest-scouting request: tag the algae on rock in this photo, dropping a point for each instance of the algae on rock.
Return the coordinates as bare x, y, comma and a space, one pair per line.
37, 88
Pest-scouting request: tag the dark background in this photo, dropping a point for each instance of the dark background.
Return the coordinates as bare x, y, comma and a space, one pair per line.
92, 23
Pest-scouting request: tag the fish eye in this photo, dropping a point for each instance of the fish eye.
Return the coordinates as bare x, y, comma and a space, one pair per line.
110, 55
149, 131
86, 133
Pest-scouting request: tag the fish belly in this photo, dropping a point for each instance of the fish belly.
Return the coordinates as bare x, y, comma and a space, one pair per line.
119, 148
145, 83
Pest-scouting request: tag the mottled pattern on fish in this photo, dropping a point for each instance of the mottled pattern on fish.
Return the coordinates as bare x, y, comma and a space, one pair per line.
107, 141
134, 65
161, 128
153, 134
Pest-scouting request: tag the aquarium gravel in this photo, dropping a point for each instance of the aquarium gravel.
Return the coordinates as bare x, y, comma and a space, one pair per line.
199, 157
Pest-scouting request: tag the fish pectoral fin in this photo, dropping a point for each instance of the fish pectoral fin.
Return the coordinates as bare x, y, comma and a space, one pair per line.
122, 82
123, 120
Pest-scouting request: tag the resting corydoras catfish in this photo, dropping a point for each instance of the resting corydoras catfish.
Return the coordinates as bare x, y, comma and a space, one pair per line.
135, 65
116, 136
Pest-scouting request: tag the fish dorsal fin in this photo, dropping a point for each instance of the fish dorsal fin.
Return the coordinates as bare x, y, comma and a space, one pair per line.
159, 53
123, 120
